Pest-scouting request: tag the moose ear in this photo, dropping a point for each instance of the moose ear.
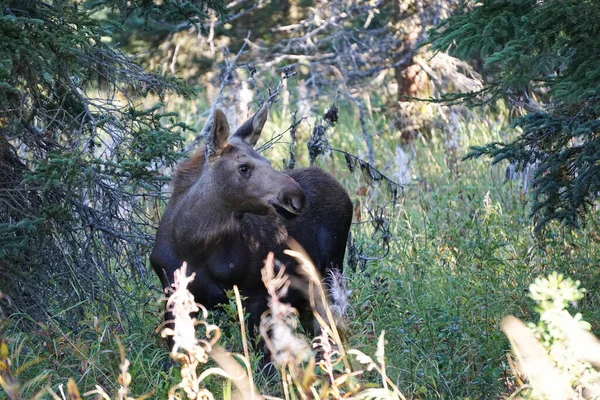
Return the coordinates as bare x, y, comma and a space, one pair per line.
217, 139
250, 131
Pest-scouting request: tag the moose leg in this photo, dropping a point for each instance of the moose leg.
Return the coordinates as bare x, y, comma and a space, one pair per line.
256, 306
169, 324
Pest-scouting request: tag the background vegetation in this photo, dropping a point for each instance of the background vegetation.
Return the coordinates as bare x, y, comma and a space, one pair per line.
99, 99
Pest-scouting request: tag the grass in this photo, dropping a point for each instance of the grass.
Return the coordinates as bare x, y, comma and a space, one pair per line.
462, 253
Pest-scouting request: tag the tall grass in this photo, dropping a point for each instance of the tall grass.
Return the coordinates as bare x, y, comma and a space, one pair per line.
196, 342
462, 253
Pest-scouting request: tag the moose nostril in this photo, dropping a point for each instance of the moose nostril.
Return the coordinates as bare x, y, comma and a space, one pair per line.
297, 203
292, 197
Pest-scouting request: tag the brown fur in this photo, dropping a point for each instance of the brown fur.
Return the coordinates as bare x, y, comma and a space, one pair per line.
223, 220
188, 172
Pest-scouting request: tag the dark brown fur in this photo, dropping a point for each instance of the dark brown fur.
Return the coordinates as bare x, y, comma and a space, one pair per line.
223, 222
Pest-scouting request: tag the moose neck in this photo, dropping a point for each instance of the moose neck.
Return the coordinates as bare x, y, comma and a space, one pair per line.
202, 218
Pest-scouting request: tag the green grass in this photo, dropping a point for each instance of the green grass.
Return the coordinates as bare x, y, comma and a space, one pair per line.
462, 253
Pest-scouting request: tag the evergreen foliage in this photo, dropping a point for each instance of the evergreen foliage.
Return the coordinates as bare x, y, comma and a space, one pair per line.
79, 150
543, 55
167, 12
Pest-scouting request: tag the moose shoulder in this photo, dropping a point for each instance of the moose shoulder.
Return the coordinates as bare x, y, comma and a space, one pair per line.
229, 208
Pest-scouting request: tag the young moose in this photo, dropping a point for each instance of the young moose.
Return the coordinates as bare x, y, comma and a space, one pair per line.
229, 208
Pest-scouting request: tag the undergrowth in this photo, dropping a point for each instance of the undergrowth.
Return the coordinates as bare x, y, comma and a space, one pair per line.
437, 270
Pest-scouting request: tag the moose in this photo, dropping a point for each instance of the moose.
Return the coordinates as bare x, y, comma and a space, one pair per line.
229, 208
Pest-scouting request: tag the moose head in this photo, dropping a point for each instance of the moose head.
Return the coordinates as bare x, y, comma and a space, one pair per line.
244, 180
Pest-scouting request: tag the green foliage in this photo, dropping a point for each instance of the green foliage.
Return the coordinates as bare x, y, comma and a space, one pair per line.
90, 354
462, 255
547, 50
557, 355
193, 12
147, 25
78, 186
80, 147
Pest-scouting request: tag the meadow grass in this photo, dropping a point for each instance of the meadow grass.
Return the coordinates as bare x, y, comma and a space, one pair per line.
462, 253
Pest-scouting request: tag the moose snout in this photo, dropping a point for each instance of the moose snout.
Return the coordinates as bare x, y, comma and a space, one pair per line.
297, 202
293, 199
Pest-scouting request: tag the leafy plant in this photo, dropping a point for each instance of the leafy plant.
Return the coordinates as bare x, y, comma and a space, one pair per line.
79, 150
542, 57
556, 354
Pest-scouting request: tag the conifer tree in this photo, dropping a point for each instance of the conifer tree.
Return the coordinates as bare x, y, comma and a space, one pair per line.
545, 56
79, 151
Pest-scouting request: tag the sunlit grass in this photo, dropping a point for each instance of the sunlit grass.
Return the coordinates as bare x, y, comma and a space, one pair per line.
462, 253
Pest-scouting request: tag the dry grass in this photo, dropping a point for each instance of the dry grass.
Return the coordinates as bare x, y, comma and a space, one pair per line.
555, 359
323, 369
319, 370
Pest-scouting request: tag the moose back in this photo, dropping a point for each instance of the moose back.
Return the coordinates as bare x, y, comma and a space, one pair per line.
229, 208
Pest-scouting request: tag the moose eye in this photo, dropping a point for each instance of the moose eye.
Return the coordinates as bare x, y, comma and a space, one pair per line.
243, 169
